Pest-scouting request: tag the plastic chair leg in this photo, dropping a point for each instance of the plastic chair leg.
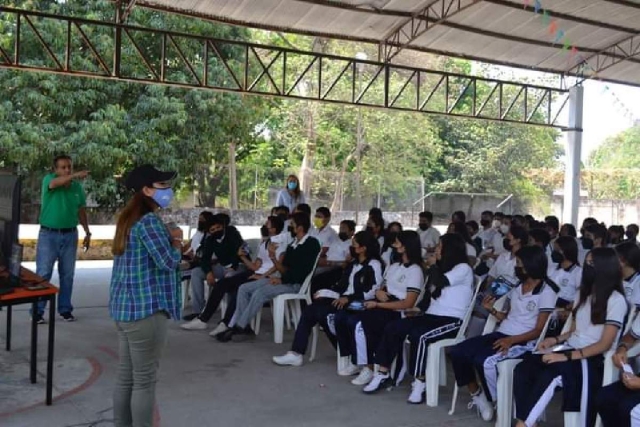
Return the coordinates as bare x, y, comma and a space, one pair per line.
278, 305
433, 373
257, 322
443, 369
454, 399
314, 343
572, 419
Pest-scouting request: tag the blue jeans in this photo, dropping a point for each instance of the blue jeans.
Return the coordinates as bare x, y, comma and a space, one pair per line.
62, 247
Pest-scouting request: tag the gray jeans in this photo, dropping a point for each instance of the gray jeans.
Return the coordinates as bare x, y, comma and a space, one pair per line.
140, 347
253, 295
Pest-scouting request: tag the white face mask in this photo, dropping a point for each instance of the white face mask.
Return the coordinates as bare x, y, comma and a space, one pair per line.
504, 228
496, 224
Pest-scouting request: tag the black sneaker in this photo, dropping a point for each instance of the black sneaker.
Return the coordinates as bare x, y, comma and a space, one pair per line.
67, 317
244, 335
189, 317
226, 335
39, 319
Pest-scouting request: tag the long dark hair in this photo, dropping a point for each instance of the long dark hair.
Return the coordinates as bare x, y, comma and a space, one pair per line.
460, 228
608, 279
389, 236
136, 208
453, 250
366, 239
535, 263
569, 247
629, 253
411, 242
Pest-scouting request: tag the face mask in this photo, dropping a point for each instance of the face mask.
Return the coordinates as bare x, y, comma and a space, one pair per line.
283, 217
504, 228
391, 237
264, 231
292, 232
369, 229
318, 222
343, 236
520, 274
588, 274
630, 235
496, 223
423, 227
506, 244
395, 256
557, 257
353, 253
587, 243
202, 225
217, 235
163, 197
292, 185
485, 223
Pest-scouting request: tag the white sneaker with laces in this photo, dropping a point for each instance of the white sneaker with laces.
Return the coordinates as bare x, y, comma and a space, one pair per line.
349, 370
379, 381
288, 359
219, 329
365, 377
417, 392
195, 325
485, 408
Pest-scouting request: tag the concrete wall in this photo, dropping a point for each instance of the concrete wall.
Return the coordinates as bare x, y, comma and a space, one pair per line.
611, 212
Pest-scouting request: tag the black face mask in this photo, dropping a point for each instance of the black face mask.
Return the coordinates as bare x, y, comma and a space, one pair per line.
283, 217
506, 244
485, 223
588, 274
557, 257
521, 274
630, 236
369, 229
352, 252
217, 235
587, 243
343, 236
264, 231
395, 256
423, 227
202, 225
292, 232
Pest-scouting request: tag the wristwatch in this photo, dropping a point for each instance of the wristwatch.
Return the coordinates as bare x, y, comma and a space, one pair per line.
568, 354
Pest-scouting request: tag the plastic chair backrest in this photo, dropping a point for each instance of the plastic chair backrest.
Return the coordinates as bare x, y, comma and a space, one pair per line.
467, 316
306, 285
544, 331
567, 325
632, 316
492, 322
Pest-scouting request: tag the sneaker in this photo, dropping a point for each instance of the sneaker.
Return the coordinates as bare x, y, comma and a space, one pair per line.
189, 317
289, 359
39, 319
365, 377
221, 328
195, 325
244, 335
67, 317
349, 370
380, 381
484, 407
226, 335
417, 395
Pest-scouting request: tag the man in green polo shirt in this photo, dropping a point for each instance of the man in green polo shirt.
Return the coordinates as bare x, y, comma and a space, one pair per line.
63, 207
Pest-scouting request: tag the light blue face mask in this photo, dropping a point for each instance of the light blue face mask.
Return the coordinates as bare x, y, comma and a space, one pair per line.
163, 197
292, 185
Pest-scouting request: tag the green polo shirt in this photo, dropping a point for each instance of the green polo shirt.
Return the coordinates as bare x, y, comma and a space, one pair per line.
60, 205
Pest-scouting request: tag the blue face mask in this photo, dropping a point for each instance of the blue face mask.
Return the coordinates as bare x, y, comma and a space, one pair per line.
163, 197
292, 185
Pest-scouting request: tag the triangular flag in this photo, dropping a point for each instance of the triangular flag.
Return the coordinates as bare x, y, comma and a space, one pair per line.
553, 27
559, 36
566, 45
546, 18
574, 51
537, 6
527, 3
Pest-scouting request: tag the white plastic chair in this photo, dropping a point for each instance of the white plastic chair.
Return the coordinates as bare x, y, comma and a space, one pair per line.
436, 371
489, 327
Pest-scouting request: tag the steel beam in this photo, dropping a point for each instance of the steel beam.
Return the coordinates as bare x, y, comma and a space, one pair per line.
435, 13
624, 50
189, 61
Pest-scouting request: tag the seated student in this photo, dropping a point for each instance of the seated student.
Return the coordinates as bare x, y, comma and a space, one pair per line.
632, 233
303, 208
540, 237
618, 404
359, 333
497, 246
459, 216
474, 231
516, 238
359, 282
599, 315
222, 242
442, 310
189, 250
531, 303
615, 234
568, 230
593, 236
566, 272
552, 224
331, 265
629, 254
298, 262
377, 213
460, 229
387, 252
322, 231
429, 235
375, 226
261, 267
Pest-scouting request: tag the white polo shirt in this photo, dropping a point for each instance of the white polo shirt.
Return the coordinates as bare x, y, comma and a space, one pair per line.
487, 237
455, 298
525, 309
196, 240
504, 266
325, 236
632, 289
429, 238
568, 281
338, 250
471, 250
587, 333
263, 255
402, 279
498, 243
377, 271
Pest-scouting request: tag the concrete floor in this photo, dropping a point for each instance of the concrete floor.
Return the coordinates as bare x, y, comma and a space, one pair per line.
202, 382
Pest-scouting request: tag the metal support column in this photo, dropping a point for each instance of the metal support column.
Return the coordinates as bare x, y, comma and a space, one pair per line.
573, 152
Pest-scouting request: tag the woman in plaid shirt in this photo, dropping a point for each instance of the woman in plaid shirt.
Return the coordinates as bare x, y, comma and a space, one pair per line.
144, 292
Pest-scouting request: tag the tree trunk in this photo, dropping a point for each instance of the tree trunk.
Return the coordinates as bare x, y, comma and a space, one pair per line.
338, 196
233, 183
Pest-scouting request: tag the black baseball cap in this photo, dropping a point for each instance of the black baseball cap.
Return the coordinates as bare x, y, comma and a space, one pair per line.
145, 176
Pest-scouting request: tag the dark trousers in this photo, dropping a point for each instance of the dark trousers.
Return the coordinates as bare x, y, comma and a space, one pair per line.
615, 403
534, 382
468, 359
325, 279
316, 313
361, 333
421, 331
227, 286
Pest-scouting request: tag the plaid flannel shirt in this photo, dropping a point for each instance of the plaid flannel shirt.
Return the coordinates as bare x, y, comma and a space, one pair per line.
145, 279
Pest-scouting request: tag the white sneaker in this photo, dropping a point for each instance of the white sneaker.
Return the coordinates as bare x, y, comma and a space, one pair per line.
417, 392
349, 370
485, 408
289, 359
365, 377
195, 325
378, 382
219, 329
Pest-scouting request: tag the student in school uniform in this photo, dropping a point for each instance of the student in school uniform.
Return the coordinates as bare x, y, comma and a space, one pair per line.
599, 315
567, 272
438, 316
331, 264
359, 333
322, 231
618, 404
530, 304
568, 230
629, 254
387, 251
631, 233
360, 280
516, 238
375, 226
429, 235
460, 229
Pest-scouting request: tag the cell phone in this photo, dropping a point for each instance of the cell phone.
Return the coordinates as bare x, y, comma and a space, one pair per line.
627, 369
501, 287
